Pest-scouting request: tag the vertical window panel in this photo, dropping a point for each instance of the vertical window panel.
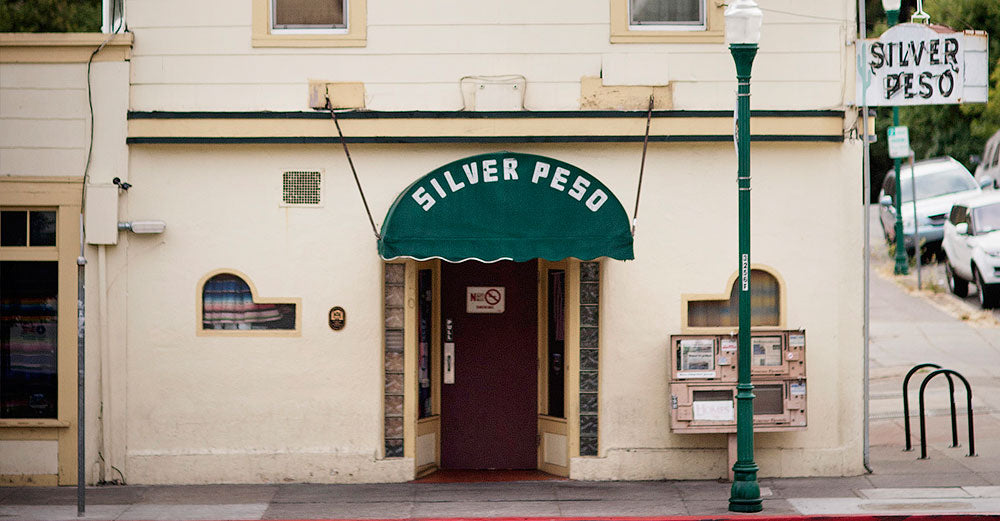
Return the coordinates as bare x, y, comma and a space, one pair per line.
29, 315
425, 296
556, 342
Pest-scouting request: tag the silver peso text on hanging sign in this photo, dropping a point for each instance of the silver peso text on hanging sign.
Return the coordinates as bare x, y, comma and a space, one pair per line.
914, 64
506, 170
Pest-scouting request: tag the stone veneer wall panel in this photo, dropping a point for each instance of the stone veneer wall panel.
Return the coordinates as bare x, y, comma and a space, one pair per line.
395, 293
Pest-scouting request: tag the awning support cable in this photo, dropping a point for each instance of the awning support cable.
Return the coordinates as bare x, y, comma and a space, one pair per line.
333, 114
642, 165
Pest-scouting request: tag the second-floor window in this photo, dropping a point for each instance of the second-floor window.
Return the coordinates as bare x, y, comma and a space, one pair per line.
665, 14
309, 23
308, 15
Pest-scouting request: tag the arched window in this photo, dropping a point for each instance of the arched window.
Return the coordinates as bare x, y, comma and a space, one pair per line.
765, 295
229, 303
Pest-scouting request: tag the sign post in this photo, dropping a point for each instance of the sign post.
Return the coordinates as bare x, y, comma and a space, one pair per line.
899, 142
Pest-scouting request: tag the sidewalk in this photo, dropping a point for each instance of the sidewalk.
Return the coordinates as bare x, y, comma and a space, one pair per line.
869, 495
906, 330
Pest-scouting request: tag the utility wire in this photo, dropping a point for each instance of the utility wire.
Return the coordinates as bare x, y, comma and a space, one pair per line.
333, 114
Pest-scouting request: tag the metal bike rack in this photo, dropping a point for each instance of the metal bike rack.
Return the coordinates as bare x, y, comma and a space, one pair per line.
906, 406
968, 395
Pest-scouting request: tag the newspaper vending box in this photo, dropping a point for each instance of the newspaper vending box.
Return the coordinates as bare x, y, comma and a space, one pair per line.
703, 378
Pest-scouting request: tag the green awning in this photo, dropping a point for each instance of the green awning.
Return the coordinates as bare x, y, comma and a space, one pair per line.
506, 206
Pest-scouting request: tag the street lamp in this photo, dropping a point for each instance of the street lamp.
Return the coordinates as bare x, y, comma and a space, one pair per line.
902, 266
743, 21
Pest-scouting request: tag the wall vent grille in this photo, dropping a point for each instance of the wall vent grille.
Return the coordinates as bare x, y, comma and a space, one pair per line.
302, 188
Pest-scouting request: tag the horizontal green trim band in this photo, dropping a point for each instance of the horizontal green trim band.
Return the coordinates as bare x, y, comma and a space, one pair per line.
475, 139
523, 114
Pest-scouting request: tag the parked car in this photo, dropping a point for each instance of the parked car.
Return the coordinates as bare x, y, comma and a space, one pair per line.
989, 162
940, 183
972, 244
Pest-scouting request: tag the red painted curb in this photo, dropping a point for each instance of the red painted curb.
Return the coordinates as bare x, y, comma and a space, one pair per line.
742, 517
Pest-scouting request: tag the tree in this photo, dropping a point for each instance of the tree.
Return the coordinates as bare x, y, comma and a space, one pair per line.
959, 131
50, 16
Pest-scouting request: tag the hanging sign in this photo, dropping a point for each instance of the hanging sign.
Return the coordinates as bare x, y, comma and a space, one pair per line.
917, 64
488, 299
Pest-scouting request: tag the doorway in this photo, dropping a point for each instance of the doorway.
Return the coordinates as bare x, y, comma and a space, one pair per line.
489, 410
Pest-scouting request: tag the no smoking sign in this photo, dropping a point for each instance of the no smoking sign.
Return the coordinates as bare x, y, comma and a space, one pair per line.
485, 299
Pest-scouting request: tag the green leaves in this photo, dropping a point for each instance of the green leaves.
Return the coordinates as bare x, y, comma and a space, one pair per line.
50, 16
959, 130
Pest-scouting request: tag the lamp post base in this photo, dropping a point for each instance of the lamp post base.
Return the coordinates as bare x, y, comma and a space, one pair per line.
745, 494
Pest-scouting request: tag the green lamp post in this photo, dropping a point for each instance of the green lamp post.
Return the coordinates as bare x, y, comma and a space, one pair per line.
902, 266
743, 21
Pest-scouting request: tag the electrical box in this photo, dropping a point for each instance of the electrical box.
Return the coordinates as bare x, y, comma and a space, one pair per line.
101, 217
703, 378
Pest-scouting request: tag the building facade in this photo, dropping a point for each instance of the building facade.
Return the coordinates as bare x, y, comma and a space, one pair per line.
246, 322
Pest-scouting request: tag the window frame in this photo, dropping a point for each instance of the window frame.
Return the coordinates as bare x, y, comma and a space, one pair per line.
257, 299
64, 194
354, 35
711, 31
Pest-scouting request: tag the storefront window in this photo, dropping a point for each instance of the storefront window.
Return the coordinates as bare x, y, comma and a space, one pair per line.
228, 304
764, 295
29, 381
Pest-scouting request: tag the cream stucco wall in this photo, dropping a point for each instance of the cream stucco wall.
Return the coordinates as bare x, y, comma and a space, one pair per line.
416, 54
44, 118
806, 224
308, 408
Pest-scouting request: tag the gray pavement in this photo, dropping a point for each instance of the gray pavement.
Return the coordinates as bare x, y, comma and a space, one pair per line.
907, 328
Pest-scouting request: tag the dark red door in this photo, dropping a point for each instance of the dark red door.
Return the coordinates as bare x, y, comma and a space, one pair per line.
489, 415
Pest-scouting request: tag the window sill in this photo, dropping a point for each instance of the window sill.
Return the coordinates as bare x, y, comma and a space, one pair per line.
308, 40
20, 424
669, 37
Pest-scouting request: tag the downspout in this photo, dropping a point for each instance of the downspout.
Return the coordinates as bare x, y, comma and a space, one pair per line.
102, 320
866, 194
81, 417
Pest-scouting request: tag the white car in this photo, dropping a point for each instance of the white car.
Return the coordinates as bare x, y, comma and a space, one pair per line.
972, 244
989, 162
940, 183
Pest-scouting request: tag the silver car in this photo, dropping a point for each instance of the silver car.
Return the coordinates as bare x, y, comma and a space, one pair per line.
940, 183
